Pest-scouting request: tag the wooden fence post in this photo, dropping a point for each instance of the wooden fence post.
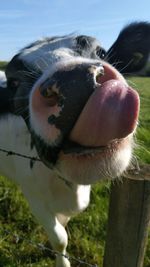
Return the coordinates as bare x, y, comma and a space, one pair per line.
129, 217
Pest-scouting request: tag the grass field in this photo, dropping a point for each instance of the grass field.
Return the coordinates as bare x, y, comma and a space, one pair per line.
19, 230
3, 65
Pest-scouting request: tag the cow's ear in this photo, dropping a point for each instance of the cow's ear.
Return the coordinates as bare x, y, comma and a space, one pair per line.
4, 94
130, 52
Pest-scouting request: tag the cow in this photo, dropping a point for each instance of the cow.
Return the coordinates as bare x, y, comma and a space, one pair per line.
66, 105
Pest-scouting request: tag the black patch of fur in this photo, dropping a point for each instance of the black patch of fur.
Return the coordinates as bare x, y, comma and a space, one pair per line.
52, 119
75, 86
31, 163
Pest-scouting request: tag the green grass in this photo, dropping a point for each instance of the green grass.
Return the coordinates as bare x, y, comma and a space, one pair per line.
3, 65
87, 232
143, 133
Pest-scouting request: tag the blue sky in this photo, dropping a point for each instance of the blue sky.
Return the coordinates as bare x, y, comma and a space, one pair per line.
23, 21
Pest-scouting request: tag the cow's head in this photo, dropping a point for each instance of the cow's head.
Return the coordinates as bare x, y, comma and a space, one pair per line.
79, 109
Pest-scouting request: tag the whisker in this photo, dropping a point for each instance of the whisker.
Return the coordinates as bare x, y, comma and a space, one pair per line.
107, 56
131, 82
29, 73
141, 146
20, 110
126, 65
18, 98
42, 64
27, 117
116, 63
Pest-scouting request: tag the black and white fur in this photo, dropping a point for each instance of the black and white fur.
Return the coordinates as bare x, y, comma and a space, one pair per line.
58, 188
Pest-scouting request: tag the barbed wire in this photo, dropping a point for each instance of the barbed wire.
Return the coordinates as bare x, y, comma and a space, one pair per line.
134, 171
40, 245
54, 252
13, 153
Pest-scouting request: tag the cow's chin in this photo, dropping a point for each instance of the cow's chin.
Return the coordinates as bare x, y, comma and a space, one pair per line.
86, 165
93, 165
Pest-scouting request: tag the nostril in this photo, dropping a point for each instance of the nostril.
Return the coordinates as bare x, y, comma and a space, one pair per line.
50, 93
53, 99
107, 73
98, 75
46, 92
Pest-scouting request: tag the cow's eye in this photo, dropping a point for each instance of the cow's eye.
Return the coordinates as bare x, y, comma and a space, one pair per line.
100, 52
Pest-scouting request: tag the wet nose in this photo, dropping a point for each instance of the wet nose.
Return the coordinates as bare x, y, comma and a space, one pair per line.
61, 98
72, 80
68, 90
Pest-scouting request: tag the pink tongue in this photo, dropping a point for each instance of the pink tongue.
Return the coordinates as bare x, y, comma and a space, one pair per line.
110, 113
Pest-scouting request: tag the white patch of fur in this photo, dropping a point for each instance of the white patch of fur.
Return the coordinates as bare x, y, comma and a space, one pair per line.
49, 196
88, 169
43, 52
122, 159
39, 120
2, 79
47, 132
40, 179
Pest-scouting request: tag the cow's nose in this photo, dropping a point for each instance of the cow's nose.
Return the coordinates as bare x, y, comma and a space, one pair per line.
73, 81
62, 96
58, 101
